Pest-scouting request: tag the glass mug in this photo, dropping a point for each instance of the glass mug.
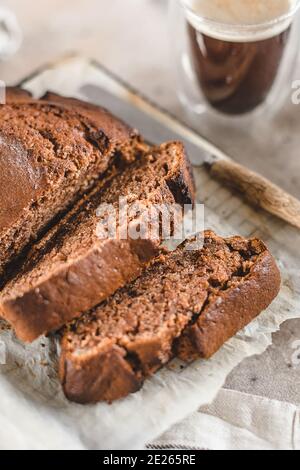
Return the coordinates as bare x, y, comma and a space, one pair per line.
234, 57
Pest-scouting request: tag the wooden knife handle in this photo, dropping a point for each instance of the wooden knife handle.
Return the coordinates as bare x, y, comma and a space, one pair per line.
258, 190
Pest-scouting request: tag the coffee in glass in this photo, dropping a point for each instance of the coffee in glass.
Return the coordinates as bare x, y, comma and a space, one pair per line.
236, 50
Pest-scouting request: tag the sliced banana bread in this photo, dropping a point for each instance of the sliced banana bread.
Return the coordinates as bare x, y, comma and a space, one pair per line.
187, 303
50, 154
71, 269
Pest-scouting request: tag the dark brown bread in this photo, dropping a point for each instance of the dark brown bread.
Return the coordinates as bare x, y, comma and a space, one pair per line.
102, 118
72, 269
214, 291
17, 95
50, 154
231, 305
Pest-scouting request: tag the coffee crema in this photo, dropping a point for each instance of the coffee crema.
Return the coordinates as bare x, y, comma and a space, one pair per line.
241, 12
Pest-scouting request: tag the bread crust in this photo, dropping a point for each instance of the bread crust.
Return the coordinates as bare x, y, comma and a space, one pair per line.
113, 127
230, 312
17, 95
104, 377
182, 183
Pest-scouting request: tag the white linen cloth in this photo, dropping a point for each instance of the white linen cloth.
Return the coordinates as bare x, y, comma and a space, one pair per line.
10, 33
237, 421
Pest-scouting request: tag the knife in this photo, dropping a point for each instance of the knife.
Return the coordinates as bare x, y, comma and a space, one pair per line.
157, 125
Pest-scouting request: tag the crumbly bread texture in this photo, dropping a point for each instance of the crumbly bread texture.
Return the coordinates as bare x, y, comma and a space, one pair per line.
187, 303
51, 152
71, 269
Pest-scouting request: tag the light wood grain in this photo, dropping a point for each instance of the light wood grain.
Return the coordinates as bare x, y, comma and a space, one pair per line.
258, 191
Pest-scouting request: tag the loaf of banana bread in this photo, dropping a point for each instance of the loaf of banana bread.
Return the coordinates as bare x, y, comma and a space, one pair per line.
72, 269
61, 158
51, 153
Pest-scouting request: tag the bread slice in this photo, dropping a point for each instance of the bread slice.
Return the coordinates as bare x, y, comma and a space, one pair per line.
71, 269
51, 154
187, 303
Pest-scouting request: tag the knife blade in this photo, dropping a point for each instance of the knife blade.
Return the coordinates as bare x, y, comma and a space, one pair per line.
154, 124
157, 125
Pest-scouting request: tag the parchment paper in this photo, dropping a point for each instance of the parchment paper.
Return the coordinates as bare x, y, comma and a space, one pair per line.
33, 410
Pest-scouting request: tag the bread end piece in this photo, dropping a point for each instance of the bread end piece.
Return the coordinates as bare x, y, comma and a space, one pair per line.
226, 302
224, 316
106, 377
